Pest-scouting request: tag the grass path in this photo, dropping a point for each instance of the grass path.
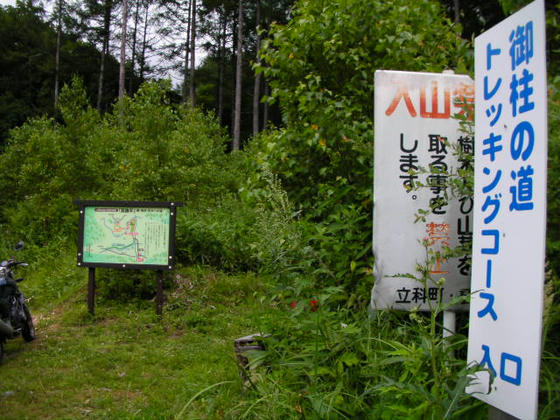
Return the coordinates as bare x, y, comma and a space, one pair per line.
126, 363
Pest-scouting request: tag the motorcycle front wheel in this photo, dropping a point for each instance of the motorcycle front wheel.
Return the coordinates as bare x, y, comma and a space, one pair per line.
28, 331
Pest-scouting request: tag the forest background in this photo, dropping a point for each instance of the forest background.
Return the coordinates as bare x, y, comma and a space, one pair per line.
272, 154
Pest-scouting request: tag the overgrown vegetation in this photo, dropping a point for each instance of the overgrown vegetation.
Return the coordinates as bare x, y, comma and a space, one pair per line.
275, 239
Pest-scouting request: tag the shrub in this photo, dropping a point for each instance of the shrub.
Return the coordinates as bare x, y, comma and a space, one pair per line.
146, 150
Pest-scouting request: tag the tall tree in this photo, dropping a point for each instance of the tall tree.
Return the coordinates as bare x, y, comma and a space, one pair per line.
217, 21
133, 49
108, 9
222, 39
219, 28
28, 62
57, 54
144, 43
257, 85
238, 79
123, 49
186, 67
192, 50
475, 16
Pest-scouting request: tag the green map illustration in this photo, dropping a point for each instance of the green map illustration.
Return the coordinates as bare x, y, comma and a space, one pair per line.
126, 235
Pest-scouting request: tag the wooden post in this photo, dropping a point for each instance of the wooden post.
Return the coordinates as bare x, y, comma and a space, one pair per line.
91, 290
159, 296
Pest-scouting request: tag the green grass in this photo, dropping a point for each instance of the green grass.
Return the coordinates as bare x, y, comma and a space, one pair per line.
125, 362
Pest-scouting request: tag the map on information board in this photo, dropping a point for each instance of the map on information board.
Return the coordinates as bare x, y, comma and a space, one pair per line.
126, 235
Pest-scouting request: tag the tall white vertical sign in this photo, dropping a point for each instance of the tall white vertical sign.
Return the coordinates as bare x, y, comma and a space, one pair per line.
509, 212
415, 129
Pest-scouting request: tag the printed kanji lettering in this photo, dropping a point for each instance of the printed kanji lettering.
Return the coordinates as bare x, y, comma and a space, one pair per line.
466, 143
435, 293
435, 113
524, 94
437, 144
464, 100
403, 295
521, 49
437, 233
486, 360
403, 94
522, 193
418, 294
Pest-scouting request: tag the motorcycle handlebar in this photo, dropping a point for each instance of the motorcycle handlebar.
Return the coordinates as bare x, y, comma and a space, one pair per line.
13, 263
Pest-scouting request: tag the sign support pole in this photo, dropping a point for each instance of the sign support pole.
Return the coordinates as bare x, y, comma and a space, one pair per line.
497, 414
159, 295
91, 290
449, 323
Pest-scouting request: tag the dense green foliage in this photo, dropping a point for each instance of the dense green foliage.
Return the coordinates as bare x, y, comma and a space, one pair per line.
320, 66
294, 207
27, 59
553, 214
146, 150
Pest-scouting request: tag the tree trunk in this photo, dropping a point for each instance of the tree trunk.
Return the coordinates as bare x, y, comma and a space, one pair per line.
193, 35
133, 58
105, 49
457, 11
123, 50
222, 59
187, 51
231, 63
265, 107
238, 80
57, 57
257, 87
143, 54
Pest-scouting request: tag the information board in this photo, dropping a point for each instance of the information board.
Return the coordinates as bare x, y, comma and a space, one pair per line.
122, 234
415, 129
509, 212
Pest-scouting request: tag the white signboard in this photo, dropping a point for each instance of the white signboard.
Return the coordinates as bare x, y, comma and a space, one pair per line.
415, 129
509, 211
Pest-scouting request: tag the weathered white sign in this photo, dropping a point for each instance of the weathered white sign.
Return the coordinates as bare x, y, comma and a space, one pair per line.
509, 211
415, 129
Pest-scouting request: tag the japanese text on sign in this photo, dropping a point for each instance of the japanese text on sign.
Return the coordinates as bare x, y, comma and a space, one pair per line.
509, 210
415, 130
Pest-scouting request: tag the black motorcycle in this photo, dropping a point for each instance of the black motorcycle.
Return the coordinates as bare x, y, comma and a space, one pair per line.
15, 318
